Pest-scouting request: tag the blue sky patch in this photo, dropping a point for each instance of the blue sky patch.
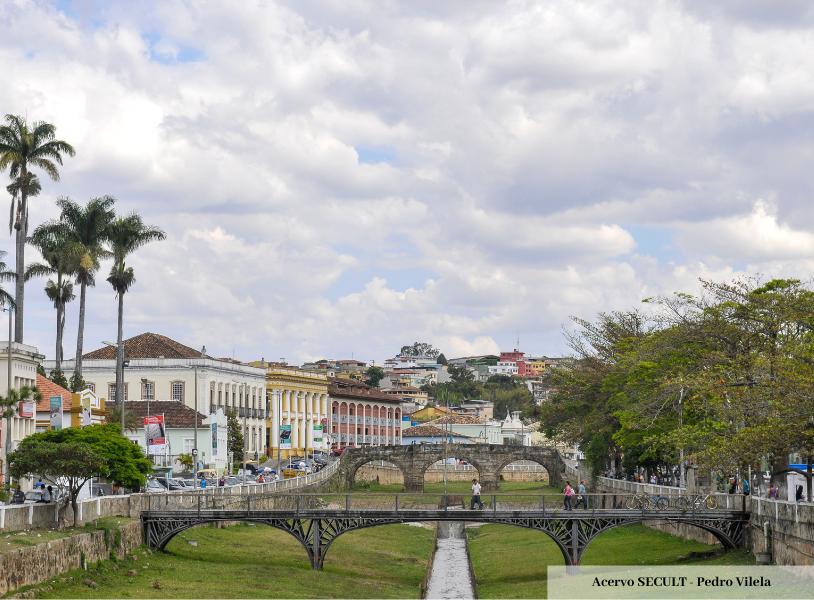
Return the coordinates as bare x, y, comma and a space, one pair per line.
184, 53
376, 154
654, 241
354, 281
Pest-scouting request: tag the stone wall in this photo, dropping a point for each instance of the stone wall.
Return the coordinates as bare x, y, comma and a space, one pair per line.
390, 474
790, 530
36, 564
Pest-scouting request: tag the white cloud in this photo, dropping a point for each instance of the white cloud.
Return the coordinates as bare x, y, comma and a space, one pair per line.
523, 141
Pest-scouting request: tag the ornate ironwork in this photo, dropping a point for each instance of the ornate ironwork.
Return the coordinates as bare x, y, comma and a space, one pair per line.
317, 530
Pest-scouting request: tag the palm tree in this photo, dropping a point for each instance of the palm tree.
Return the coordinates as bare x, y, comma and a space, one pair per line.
30, 184
6, 299
87, 227
126, 235
21, 148
60, 258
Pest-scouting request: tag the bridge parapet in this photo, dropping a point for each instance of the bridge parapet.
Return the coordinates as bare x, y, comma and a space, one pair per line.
488, 459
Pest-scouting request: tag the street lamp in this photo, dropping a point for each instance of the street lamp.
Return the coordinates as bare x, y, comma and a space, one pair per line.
120, 365
195, 425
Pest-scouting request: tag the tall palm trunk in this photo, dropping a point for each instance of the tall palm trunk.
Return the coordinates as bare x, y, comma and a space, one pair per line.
60, 324
81, 333
120, 356
19, 296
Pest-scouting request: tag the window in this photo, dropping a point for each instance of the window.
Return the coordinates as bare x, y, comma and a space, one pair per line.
112, 391
212, 393
90, 386
189, 444
148, 391
254, 399
220, 394
234, 395
178, 390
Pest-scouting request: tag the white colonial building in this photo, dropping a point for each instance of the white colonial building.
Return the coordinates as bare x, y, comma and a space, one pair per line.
159, 368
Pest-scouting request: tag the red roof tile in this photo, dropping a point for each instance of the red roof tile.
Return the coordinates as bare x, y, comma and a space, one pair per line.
348, 388
146, 345
176, 414
429, 431
48, 388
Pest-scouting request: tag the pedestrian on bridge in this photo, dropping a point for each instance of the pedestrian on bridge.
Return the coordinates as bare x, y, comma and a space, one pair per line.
581, 499
567, 493
475, 496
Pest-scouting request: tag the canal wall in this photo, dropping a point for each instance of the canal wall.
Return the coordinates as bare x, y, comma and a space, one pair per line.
37, 564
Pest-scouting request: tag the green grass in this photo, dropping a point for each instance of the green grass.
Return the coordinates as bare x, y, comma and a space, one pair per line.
512, 562
21, 539
261, 562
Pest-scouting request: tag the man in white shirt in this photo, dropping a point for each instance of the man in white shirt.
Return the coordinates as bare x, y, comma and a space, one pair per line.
475, 495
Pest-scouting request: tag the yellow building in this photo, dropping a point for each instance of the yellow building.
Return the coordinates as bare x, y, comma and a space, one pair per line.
430, 412
298, 408
537, 365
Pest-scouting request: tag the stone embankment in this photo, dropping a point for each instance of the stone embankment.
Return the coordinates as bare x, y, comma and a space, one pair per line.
38, 564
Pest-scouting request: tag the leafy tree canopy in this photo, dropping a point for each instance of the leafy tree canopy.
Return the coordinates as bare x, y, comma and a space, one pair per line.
234, 435
374, 376
420, 349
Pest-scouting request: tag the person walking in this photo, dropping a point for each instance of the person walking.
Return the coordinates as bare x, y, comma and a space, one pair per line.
772, 492
733, 488
799, 495
581, 499
203, 483
475, 496
567, 493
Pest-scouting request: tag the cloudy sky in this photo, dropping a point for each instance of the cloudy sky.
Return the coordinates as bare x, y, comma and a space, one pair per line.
344, 177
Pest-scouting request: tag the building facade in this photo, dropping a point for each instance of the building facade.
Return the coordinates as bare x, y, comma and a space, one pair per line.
480, 430
298, 408
24, 362
362, 415
160, 368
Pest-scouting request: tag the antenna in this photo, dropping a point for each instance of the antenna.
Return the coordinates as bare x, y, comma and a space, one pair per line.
518, 339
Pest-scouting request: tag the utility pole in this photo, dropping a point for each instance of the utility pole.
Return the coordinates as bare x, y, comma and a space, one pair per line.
681, 450
195, 439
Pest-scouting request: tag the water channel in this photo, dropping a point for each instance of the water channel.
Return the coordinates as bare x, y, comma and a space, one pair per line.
450, 568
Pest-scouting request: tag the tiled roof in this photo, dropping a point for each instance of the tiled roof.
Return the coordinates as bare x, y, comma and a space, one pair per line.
458, 420
408, 388
146, 345
348, 388
428, 431
48, 388
176, 414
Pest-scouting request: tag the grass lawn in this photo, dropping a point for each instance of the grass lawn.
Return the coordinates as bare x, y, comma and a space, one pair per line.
261, 562
511, 562
22, 539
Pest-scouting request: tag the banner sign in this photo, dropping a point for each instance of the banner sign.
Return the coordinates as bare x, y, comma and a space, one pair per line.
285, 437
56, 413
317, 436
156, 434
214, 440
86, 417
27, 410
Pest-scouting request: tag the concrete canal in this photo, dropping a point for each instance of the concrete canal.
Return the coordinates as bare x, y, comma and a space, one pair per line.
450, 575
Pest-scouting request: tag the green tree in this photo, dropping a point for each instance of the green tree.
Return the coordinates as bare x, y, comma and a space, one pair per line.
126, 235
186, 461
460, 374
87, 229
9, 405
71, 456
21, 148
131, 422
442, 360
374, 376
60, 258
234, 435
420, 349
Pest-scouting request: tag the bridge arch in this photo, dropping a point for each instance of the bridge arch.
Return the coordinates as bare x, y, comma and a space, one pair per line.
511, 461
392, 472
434, 472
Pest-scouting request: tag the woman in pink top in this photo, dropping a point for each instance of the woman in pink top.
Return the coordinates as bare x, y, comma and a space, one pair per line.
567, 493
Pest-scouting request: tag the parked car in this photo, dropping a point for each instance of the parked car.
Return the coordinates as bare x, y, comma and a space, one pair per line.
339, 451
153, 487
232, 480
172, 484
32, 496
319, 459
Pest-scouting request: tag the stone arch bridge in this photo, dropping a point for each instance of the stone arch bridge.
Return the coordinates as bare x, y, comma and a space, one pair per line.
488, 459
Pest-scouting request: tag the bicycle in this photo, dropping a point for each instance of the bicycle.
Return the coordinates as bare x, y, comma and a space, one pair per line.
646, 502
698, 502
